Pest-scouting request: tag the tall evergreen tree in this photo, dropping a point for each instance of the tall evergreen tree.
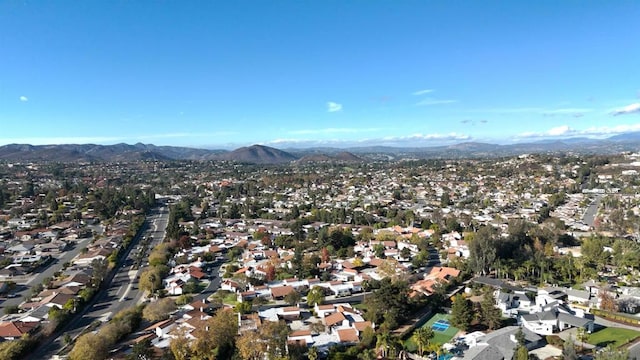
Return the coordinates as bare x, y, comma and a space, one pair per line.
461, 313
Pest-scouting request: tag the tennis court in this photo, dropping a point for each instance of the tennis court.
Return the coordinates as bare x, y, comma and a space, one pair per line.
440, 325
442, 330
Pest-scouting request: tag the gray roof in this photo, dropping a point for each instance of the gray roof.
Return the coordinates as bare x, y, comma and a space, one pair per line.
540, 316
582, 294
501, 339
573, 320
483, 352
496, 283
521, 296
504, 297
547, 315
529, 317
40, 312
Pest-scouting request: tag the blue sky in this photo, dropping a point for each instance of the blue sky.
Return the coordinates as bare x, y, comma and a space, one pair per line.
221, 74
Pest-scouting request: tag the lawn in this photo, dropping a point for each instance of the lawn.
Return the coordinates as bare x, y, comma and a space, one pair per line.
230, 299
615, 337
439, 337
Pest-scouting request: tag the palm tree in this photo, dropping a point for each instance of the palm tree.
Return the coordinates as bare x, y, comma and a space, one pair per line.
313, 353
435, 347
422, 337
398, 347
383, 343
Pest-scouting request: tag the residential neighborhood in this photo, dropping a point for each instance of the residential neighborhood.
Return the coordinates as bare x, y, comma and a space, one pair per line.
357, 260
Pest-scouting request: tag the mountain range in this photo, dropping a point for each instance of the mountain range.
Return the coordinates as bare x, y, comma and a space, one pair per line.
260, 154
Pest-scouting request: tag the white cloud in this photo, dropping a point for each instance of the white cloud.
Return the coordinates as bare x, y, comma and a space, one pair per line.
333, 131
149, 138
560, 130
431, 101
400, 140
333, 107
24, 98
563, 130
567, 111
611, 130
594, 131
629, 109
61, 140
422, 92
520, 110
449, 136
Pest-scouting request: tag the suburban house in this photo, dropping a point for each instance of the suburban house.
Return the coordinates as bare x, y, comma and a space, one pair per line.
499, 345
547, 314
12, 330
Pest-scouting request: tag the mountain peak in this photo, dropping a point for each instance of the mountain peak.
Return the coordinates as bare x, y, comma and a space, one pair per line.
258, 154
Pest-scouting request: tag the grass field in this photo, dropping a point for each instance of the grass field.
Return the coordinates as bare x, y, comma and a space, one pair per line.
615, 337
439, 337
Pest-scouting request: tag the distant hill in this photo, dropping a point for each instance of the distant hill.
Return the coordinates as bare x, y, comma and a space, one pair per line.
98, 153
633, 136
343, 156
258, 154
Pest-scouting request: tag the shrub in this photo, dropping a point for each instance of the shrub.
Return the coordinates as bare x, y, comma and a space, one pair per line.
555, 341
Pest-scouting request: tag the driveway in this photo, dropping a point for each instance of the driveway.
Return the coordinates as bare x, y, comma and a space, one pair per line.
546, 352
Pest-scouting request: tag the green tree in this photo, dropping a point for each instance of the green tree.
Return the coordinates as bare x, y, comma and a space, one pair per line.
461, 313
89, 347
312, 354
483, 250
445, 200
582, 336
142, 350
244, 307
249, 346
315, 296
274, 336
521, 353
389, 303
150, 280
159, 310
179, 346
100, 268
383, 342
490, 314
569, 350
593, 253
422, 338
292, 298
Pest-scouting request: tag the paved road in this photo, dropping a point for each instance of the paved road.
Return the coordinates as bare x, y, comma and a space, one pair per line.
122, 291
24, 287
592, 210
213, 286
634, 351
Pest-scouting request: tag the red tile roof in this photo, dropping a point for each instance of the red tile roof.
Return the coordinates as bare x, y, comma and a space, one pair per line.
361, 325
348, 335
280, 291
16, 329
333, 319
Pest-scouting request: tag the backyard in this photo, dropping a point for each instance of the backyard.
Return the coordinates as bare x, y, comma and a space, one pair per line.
443, 331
